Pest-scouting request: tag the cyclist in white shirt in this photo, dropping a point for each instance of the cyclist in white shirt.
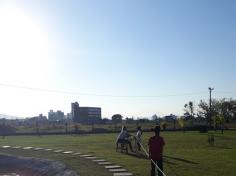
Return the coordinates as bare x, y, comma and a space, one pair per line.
123, 137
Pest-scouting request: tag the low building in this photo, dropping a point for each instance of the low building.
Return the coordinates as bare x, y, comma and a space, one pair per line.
85, 115
90, 115
37, 120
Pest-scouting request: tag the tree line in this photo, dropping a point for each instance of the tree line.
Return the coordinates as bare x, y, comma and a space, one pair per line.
221, 111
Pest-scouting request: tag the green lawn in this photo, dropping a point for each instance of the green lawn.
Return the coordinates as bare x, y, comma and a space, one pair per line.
185, 153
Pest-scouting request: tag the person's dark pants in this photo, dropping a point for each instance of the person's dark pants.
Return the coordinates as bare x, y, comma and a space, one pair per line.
128, 142
139, 146
159, 163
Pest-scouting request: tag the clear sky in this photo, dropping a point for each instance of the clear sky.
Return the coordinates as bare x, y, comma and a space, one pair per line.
133, 57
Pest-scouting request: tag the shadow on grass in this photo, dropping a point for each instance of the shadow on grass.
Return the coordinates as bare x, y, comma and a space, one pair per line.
180, 159
168, 164
223, 137
222, 147
143, 156
138, 155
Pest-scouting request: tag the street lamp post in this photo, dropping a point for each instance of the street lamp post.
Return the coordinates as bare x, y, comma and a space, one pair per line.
210, 108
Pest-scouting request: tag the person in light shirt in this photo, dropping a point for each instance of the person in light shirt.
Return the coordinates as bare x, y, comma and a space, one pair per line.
123, 137
138, 137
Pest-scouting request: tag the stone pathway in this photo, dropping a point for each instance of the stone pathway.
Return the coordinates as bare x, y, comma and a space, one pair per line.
115, 170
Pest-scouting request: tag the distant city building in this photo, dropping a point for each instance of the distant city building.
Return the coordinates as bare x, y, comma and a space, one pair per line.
75, 112
90, 115
85, 115
68, 116
56, 116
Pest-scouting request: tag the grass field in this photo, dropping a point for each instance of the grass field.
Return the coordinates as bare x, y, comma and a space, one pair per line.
186, 154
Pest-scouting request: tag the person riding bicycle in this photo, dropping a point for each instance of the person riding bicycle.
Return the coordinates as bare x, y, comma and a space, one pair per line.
123, 137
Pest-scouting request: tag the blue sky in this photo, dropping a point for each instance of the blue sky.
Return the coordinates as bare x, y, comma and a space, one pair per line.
127, 49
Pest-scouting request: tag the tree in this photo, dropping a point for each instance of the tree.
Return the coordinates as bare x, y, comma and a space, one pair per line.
189, 110
228, 109
204, 111
223, 107
155, 119
129, 120
219, 122
105, 121
164, 125
116, 118
143, 120
181, 123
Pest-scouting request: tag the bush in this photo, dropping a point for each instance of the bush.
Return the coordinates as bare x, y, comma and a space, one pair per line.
99, 130
200, 128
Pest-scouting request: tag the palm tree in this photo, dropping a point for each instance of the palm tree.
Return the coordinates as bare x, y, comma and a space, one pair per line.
189, 109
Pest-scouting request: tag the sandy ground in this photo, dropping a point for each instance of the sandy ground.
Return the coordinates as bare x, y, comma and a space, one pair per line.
25, 166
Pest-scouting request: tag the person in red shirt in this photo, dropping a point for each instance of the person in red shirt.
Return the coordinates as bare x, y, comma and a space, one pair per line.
156, 144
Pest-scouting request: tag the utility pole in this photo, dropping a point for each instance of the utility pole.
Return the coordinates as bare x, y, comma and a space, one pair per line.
210, 114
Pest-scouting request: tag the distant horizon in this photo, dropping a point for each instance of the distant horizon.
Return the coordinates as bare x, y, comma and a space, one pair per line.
10, 117
109, 117
159, 114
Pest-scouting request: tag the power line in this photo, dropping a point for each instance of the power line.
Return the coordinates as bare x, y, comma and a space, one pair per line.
227, 92
98, 95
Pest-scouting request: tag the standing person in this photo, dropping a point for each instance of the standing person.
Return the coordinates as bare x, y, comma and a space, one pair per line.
123, 137
156, 144
138, 137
